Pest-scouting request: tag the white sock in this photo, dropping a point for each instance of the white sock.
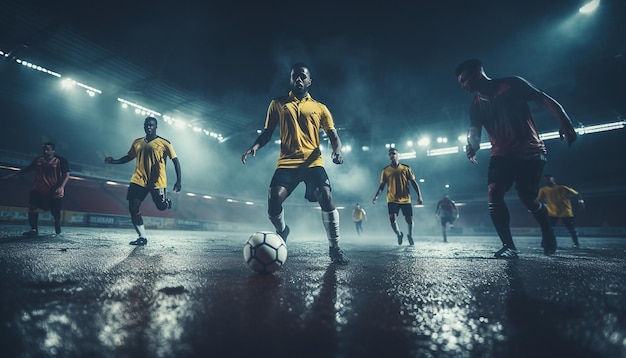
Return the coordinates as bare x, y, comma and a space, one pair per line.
141, 230
331, 224
278, 221
395, 227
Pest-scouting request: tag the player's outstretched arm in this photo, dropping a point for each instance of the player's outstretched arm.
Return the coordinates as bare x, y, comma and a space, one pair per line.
177, 185
380, 190
566, 129
473, 144
122, 160
260, 141
335, 143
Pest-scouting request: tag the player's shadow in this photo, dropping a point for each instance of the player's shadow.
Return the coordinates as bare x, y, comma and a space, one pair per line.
321, 325
535, 322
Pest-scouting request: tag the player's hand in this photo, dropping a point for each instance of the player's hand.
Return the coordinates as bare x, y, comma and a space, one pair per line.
420, 201
374, 200
471, 154
337, 158
246, 154
59, 193
177, 186
569, 134
108, 160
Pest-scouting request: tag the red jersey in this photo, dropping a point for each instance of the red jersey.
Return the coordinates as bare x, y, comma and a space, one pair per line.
48, 172
507, 119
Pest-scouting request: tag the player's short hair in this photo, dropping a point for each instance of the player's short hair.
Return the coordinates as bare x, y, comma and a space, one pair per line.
300, 65
393, 150
48, 144
150, 119
473, 64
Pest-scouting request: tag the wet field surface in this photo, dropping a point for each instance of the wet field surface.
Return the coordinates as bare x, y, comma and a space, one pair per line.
87, 293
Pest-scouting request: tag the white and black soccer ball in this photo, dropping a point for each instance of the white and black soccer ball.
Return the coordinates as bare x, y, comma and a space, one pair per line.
265, 252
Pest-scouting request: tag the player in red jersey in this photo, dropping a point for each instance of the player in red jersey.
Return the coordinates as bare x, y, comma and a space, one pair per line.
518, 154
52, 173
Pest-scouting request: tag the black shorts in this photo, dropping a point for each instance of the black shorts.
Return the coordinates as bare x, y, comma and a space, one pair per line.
289, 179
525, 173
45, 202
139, 192
447, 219
394, 208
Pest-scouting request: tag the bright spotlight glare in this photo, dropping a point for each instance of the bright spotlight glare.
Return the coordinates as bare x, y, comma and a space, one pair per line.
589, 7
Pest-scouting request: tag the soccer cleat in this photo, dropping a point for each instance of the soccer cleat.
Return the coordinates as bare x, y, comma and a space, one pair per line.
168, 203
57, 228
337, 257
284, 233
576, 246
410, 238
400, 236
506, 253
31, 233
139, 242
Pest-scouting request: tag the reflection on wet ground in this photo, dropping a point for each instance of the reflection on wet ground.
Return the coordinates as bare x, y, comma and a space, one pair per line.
187, 294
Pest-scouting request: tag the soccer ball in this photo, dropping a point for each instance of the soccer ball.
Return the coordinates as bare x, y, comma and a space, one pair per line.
265, 251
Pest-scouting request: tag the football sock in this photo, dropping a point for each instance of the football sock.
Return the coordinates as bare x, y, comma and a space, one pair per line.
331, 224
141, 230
501, 218
394, 226
278, 221
541, 215
33, 216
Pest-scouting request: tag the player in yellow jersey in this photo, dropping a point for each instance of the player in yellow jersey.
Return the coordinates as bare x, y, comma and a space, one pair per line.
358, 215
559, 206
151, 153
398, 177
300, 119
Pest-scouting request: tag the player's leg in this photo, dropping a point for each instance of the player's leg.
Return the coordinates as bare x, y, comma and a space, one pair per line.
444, 224
499, 179
282, 183
393, 209
55, 211
136, 195
529, 173
160, 199
407, 212
316, 178
34, 201
569, 224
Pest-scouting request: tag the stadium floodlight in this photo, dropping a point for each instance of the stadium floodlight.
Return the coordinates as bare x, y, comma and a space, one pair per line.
423, 142
207, 196
139, 108
407, 155
409, 143
589, 7
365, 148
191, 194
442, 151
601, 127
347, 148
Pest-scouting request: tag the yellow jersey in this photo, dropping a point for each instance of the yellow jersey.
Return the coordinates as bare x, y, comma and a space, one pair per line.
150, 161
300, 122
398, 183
